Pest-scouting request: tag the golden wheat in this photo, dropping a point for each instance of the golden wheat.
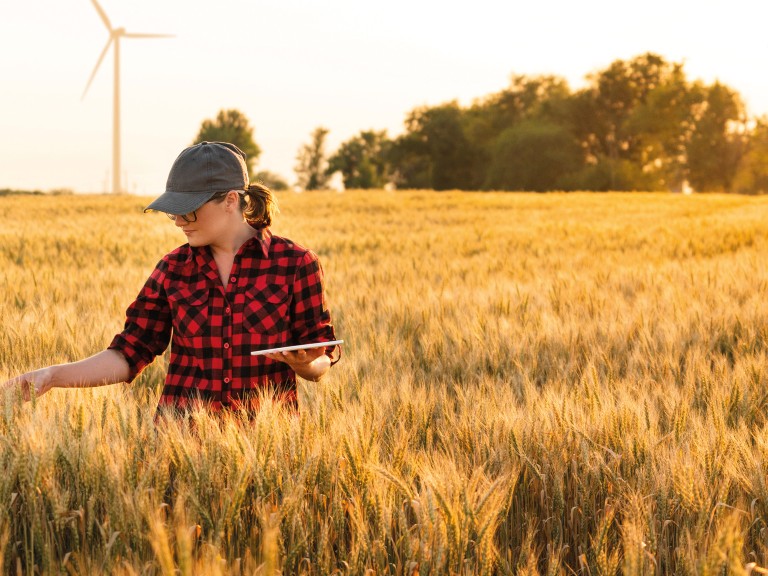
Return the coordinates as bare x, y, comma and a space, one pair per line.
533, 384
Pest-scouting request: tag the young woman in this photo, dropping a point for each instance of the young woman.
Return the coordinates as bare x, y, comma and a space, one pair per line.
232, 289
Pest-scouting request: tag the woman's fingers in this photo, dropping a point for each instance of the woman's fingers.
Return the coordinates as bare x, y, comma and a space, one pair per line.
28, 384
297, 357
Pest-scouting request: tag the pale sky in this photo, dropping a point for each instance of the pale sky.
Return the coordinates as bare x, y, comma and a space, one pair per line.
292, 65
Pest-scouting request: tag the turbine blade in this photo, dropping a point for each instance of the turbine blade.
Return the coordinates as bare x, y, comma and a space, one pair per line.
132, 35
95, 68
103, 15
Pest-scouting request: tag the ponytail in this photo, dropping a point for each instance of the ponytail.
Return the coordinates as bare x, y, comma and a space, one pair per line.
258, 205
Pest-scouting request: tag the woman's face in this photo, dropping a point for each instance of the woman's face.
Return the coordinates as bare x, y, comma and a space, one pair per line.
214, 219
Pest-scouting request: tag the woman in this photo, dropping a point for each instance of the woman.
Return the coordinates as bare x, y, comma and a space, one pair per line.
232, 289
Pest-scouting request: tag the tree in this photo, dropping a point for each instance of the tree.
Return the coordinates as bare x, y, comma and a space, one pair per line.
231, 126
410, 162
752, 175
434, 152
664, 124
539, 99
311, 163
271, 180
616, 116
639, 124
718, 141
363, 160
533, 155
448, 146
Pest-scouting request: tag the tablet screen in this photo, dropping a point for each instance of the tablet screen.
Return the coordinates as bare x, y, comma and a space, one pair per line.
296, 347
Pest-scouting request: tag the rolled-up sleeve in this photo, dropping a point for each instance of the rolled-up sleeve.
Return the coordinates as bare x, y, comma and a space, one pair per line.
311, 319
148, 325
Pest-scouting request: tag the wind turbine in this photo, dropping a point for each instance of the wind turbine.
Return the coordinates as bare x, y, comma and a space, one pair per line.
114, 36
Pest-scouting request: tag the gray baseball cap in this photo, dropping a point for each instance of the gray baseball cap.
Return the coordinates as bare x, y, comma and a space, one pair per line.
198, 173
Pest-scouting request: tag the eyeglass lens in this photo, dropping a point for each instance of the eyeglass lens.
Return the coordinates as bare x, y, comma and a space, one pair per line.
188, 217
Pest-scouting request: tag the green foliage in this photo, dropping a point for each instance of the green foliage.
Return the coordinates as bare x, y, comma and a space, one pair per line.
634, 118
664, 123
271, 180
11, 191
718, 141
443, 154
411, 164
533, 156
752, 176
538, 99
231, 126
363, 160
311, 162
640, 124
609, 174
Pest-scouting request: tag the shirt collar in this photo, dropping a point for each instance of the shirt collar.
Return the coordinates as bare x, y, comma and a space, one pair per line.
262, 241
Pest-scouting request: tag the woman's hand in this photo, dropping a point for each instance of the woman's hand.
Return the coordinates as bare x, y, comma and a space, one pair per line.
34, 383
105, 367
310, 363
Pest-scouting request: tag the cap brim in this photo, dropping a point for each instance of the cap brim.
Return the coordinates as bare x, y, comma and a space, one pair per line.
179, 202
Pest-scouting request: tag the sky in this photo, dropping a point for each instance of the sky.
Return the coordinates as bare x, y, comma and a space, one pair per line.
293, 65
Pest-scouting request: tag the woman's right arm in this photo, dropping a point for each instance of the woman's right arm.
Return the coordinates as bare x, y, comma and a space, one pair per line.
145, 335
106, 367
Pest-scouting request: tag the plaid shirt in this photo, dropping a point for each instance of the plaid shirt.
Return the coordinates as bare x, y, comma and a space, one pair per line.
274, 297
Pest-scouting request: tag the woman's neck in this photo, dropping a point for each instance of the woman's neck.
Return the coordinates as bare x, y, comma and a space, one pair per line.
230, 245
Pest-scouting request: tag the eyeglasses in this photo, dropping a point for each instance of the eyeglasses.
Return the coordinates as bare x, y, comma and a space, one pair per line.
188, 217
192, 216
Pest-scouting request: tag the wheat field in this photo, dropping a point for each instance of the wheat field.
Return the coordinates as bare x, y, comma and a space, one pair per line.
532, 384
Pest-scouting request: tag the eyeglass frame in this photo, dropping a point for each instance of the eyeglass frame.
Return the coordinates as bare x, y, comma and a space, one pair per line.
186, 217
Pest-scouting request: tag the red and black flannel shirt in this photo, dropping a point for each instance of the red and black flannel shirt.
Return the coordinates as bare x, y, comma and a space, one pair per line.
274, 297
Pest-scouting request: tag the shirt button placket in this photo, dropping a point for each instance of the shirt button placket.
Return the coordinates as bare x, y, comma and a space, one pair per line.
227, 354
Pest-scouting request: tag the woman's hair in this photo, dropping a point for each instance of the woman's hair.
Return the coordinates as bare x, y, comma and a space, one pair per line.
257, 204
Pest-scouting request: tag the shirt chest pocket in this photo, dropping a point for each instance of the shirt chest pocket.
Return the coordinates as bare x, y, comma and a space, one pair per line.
190, 310
267, 309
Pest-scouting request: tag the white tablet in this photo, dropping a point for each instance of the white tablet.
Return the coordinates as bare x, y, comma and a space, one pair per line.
297, 347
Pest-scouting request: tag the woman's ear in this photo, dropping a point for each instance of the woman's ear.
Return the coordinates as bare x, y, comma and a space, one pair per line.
232, 200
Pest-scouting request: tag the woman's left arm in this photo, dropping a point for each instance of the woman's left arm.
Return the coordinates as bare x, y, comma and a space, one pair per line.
310, 322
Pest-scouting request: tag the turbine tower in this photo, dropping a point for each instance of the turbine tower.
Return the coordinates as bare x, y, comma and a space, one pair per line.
114, 36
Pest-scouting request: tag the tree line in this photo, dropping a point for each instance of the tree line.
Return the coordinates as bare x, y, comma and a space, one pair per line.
638, 124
